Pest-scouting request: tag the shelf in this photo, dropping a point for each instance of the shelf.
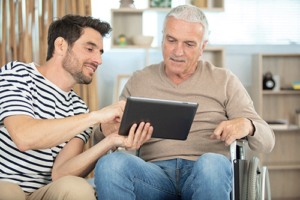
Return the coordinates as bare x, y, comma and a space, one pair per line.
213, 9
276, 104
129, 21
158, 9
210, 5
285, 198
271, 92
284, 167
133, 47
280, 55
283, 162
127, 10
291, 127
204, 5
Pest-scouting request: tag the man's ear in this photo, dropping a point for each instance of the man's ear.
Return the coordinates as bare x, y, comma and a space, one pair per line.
61, 46
203, 46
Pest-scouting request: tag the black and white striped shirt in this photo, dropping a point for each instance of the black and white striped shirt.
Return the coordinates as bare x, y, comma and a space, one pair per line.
24, 91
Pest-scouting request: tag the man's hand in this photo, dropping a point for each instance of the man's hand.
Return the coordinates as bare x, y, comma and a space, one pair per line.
229, 131
135, 139
109, 128
112, 125
112, 113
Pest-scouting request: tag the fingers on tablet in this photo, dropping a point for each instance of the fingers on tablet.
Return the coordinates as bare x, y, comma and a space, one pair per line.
131, 132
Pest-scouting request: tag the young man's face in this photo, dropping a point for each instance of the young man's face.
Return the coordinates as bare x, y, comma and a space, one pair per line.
82, 60
182, 46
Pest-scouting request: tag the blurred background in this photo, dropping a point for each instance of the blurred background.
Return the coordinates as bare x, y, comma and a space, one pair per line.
249, 37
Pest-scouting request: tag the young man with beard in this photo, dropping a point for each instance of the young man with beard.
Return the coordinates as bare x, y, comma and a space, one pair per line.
197, 168
44, 124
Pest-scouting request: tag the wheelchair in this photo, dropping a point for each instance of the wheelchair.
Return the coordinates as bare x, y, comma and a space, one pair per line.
250, 181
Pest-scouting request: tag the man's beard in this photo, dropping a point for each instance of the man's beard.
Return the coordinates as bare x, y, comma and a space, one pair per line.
71, 64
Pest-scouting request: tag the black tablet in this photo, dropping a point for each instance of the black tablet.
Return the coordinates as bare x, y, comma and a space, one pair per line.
170, 119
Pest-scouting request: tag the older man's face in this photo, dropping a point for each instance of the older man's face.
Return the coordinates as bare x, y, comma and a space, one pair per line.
181, 46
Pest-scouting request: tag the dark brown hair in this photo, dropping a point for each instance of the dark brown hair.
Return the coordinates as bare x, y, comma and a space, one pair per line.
70, 27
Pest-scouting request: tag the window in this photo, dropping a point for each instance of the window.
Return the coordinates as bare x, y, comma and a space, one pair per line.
256, 22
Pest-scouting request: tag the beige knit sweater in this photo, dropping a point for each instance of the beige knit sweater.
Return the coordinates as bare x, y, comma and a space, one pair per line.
220, 95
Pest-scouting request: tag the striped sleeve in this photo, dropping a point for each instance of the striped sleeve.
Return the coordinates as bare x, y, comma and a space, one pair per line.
15, 92
80, 108
85, 135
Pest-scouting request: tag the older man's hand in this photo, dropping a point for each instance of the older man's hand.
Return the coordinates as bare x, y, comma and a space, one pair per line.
137, 136
229, 131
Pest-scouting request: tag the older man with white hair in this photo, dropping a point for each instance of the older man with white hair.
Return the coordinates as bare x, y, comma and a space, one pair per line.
197, 168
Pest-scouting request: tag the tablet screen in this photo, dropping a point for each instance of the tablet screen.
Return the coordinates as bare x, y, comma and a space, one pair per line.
170, 119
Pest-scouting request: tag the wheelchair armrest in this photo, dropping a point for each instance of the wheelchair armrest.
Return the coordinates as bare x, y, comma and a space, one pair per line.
237, 149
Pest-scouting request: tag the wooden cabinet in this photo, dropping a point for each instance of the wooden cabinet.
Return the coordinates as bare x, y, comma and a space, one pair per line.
209, 5
284, 161
205, 5
129, 21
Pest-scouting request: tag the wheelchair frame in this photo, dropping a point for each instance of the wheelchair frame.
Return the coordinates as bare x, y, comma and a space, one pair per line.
250, 182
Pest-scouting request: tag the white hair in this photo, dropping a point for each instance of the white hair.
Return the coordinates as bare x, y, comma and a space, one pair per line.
189, 13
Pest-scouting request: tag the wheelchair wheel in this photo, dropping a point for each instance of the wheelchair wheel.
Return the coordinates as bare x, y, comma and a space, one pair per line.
265, 188
253, 179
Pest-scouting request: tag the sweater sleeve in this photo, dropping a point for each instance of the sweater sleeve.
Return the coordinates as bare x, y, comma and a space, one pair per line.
239, 104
